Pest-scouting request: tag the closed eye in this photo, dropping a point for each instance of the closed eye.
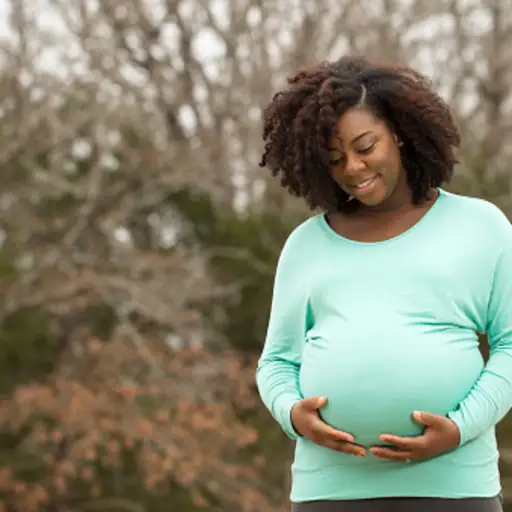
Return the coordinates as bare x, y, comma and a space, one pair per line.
366, 150
362, 151
337, 161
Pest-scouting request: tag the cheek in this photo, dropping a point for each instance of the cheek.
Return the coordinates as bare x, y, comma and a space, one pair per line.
337, 175
386, 156
390, 167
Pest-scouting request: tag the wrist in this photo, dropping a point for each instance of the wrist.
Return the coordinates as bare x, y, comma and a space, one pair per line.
292, 423
455, 432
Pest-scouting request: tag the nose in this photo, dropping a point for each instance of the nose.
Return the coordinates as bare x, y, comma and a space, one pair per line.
353, 163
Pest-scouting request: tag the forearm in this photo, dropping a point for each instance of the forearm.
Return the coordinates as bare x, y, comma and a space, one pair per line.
278, 385
490, 399
277, 376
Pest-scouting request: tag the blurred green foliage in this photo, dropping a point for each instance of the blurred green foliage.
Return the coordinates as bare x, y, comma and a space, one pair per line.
243, 251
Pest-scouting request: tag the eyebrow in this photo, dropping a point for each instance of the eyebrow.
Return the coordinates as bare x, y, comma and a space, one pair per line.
355, 139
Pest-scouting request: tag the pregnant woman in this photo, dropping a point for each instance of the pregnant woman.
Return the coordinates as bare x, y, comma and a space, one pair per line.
371, 361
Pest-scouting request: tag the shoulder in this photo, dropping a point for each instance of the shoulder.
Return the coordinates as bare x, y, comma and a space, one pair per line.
305, 231
303, 239
480, 215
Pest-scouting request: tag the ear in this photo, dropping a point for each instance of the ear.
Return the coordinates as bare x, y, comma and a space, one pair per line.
399, 143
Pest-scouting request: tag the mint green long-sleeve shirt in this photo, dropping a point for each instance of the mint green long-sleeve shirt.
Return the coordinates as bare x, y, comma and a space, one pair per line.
387, 328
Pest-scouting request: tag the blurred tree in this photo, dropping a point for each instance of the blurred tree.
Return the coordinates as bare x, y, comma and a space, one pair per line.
133, 212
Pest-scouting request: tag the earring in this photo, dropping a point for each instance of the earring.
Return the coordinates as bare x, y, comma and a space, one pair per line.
399, 143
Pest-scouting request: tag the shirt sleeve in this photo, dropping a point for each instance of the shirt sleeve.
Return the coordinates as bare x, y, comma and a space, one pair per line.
277, 375
490, 399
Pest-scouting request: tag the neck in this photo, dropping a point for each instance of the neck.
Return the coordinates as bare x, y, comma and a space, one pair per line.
398, 201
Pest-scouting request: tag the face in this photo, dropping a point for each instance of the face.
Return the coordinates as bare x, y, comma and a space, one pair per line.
365, 160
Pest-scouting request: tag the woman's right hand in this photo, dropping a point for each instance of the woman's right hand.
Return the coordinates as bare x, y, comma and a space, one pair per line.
307, 422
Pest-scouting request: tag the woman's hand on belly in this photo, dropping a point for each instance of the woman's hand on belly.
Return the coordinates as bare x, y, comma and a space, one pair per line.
307, 422
441, 435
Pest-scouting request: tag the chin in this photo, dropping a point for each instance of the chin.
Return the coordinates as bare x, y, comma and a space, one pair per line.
374, 197
374, 201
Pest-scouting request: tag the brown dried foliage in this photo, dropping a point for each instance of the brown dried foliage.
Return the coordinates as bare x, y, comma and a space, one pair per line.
183, 427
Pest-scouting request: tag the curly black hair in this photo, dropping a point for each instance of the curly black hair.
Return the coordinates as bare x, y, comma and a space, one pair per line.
299, 121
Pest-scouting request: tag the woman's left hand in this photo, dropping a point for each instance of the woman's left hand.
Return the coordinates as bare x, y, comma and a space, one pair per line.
441, 435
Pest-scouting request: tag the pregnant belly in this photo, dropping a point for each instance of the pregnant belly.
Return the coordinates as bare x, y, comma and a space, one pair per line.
371, 392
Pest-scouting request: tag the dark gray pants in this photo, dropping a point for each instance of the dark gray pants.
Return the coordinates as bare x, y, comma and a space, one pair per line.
403, 505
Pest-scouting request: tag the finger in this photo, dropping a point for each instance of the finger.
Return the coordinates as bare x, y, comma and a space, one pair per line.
390, 454
353, 449
428, 419
323, 430
344, 447
404, 443
314, 403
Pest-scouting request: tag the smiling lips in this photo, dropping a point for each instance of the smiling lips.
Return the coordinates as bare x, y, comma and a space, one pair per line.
365, 185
